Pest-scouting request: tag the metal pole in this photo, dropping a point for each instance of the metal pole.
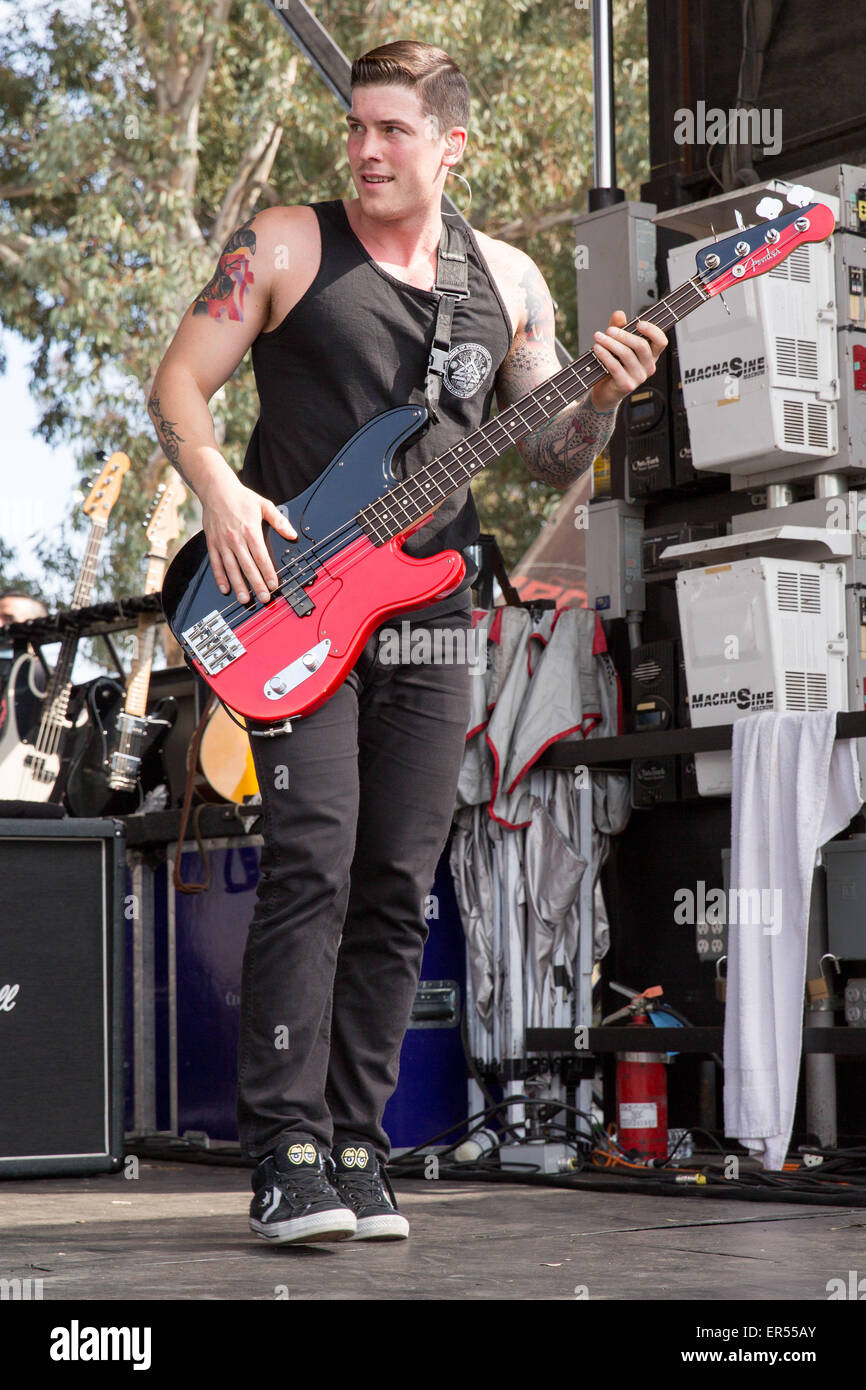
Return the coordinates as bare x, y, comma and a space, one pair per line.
334, 68
605, 191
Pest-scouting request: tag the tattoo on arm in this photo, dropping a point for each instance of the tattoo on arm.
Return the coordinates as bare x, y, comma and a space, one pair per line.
167, 435
224, 292
567, 445
540, 316
519, 373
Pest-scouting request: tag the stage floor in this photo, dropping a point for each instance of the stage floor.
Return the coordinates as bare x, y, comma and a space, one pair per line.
179, 1232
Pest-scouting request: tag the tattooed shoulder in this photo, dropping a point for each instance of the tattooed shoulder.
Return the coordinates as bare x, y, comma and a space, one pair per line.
539, 315
224, 292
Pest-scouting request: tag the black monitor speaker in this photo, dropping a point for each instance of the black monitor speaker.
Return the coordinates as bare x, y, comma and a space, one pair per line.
62, 897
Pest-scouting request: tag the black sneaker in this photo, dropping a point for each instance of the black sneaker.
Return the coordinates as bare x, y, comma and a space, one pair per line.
361, 1180
294, 1201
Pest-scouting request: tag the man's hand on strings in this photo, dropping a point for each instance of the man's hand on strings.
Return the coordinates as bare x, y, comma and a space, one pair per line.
629, 358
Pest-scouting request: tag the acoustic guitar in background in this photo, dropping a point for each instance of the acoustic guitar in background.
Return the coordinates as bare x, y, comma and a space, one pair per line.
225, 764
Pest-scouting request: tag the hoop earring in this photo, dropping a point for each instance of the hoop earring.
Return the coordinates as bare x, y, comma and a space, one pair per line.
469, 186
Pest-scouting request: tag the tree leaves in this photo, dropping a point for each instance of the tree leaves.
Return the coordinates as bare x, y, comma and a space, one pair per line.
128, 134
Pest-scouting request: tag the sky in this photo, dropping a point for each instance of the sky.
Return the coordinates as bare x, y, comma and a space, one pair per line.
40, 486
39, 481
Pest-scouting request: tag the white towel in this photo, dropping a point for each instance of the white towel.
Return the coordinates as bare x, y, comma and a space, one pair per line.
794, 788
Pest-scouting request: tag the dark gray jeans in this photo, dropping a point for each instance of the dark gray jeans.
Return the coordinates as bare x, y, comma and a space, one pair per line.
358, 801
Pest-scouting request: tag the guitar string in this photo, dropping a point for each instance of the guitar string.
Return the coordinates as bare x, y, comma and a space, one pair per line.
51, 729
271, 618
411, 492
413, 484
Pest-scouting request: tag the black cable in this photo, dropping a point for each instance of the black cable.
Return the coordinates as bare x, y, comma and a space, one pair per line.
482, 1117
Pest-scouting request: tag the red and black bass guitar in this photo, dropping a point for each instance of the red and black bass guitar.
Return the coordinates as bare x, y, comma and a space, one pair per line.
347, 571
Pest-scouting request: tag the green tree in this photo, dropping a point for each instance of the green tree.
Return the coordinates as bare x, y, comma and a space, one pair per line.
11, 577
138, 135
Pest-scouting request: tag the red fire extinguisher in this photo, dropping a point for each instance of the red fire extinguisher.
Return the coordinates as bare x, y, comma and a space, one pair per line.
641, 1085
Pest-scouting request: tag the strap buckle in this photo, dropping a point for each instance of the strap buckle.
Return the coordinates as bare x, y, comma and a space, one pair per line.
438, 359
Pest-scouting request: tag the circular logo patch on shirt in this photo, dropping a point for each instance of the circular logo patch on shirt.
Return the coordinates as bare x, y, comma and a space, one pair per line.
467, 367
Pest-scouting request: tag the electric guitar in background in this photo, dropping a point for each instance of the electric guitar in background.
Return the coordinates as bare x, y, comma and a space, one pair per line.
37, 727
347, 571
120, 758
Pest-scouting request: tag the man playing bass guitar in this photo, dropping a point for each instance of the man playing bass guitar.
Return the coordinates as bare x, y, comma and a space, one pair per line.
337, 302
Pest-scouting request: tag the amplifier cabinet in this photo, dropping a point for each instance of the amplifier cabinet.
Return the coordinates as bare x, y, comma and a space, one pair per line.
62, 903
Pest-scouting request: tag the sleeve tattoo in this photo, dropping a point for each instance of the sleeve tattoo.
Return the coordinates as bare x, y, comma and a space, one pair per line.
568, 444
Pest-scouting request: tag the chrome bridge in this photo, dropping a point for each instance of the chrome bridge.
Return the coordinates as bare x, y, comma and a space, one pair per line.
214, 643
297, 671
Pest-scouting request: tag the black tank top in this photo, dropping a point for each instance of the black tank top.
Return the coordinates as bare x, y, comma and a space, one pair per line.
357, 344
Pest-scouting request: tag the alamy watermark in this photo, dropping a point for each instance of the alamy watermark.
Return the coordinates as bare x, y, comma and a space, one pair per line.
743, 125
443, 646
746, 907
854, 1287
21, 1290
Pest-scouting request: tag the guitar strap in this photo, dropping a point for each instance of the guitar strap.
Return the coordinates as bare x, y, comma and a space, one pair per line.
452, 285
191, 778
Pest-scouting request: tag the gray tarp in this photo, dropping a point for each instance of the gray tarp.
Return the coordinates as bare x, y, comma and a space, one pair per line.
516, 855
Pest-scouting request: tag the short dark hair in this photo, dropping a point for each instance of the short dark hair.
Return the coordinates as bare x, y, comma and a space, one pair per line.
23, 593
441, 86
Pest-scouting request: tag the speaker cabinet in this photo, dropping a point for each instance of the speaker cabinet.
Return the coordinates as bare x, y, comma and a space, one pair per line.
62, 886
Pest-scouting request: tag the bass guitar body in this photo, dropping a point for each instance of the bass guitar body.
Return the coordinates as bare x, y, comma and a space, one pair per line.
286, 657
347, 572
25, 774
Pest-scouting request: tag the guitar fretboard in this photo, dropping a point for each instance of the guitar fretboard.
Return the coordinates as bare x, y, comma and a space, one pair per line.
139, 679
406, 503
57, 695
